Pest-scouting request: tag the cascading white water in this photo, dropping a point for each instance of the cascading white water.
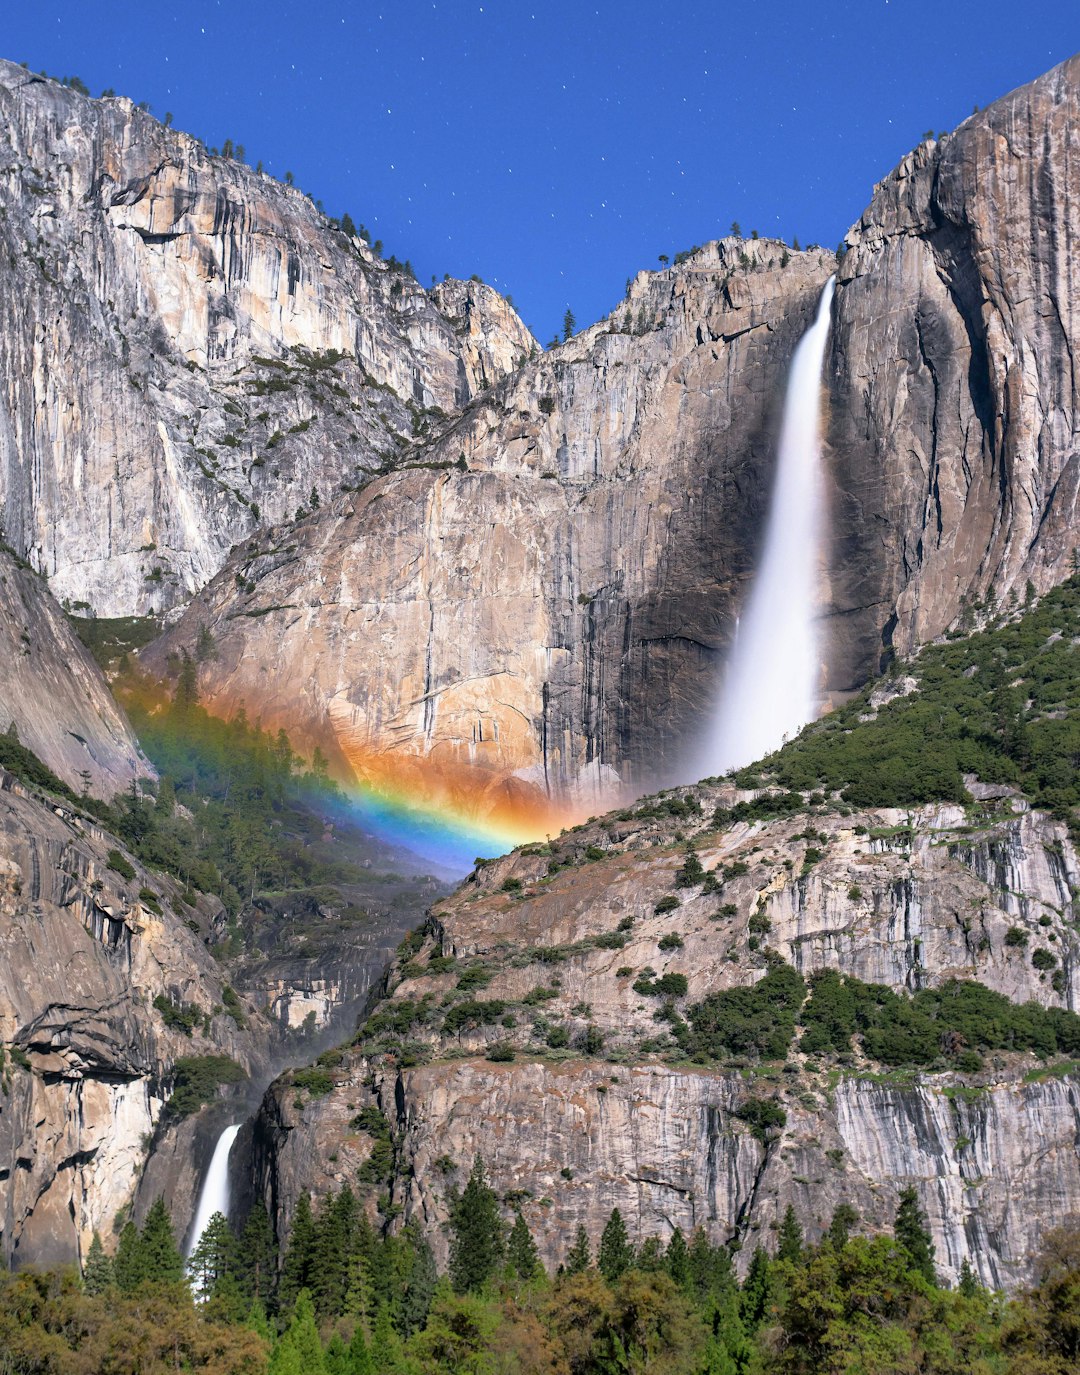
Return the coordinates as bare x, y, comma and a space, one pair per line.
214, 1197
771, 684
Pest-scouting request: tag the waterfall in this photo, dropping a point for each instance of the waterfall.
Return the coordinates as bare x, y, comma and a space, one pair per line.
772, 680
214, 1197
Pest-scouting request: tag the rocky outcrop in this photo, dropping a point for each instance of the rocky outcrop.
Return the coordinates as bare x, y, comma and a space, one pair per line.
54, 694
552, 620
570, 1141
558, 937
952, 386
552, 594
90, 965
189, 348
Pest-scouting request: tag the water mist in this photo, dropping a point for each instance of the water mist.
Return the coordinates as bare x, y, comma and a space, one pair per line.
771, 684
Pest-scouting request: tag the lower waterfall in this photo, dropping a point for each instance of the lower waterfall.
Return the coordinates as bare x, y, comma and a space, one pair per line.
772, 681
214, 1196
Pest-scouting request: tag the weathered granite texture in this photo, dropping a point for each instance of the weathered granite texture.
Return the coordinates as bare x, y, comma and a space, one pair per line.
906, 899
87, 1059
952, 386
551, 622
54, 693
188, 348
549, 602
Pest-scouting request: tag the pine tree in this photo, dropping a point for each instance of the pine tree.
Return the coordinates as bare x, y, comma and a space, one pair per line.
336, 1356
579, 1257
569, 325
677, 1260
214, 1256
791, 1237
616, 1253
331, 1249
304, 1335
844, 1219
969, 1284
205, 645
755, 1291
476, 1244
521, 1251
296, 1267
913, 1235
257, 1320
416, 1286
710, 1274
186, 695
257, 1270
98, 1270
160, 1259
127, 1264
360, 1361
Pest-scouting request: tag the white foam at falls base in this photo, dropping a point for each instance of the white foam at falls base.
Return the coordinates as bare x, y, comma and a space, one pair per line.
214, 1196
771, 685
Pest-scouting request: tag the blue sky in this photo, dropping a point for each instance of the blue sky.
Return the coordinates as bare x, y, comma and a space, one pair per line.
557, 146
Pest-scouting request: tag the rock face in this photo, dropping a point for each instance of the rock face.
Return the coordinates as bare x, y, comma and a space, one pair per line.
952, 386
551, 596
552, 621
906, 899
188, 347
88, 1058
54, 693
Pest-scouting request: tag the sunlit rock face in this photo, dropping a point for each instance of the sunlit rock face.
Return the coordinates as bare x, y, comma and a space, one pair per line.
908, 899
141, 281
953, 392
537, 633
537, 618
55, 696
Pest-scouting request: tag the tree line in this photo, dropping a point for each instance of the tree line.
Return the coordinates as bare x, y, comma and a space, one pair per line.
351, 1299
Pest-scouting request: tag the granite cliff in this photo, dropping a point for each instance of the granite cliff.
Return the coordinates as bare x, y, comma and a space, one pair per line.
53, 694
189, 348
104, 987
569, 940
553, 593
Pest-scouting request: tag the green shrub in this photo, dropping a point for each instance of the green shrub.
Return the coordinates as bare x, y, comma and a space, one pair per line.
316, 1079
1042, 959
958, 1016
1016, 936
177, 1016
473, 1013
761, 1115
120, 865
196, 1079
149, 898
502, 1052
669, 985
670, 942
477, 977
756, 1021
668, 904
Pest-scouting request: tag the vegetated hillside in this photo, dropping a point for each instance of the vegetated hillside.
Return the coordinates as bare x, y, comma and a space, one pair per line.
1002, 704
213, 349
729, 999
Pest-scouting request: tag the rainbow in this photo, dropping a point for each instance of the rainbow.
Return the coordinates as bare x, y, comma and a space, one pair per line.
450, 840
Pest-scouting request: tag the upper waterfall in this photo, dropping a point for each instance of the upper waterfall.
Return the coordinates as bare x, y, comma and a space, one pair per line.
772, 682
